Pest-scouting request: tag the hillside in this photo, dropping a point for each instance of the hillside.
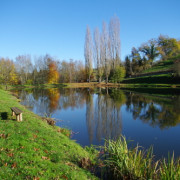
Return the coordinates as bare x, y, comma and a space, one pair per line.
162, 72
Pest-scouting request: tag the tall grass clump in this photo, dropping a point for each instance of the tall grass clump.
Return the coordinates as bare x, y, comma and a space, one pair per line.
122, 162
170, 168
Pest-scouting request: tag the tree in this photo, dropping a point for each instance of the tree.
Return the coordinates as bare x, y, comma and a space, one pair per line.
53, 75
136, 61
105, 51
114, 39
119, 74
24, 67
88, 50
150, 50
128, 67
177, 67
8, 73
168, 47
97, 54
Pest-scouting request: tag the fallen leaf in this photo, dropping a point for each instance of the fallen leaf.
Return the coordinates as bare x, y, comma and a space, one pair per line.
64, 177
46, 151
14, 165
35, 136
5, 164
36, 149
36, 178
10, 154
45, 158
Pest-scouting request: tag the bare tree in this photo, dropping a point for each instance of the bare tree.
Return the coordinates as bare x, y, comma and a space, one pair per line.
97, 53
24, 67
88, 50
105, 51
114, 39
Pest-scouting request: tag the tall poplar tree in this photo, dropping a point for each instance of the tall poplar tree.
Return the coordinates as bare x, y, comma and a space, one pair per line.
114, 39
97, 54
88, 53
105, 51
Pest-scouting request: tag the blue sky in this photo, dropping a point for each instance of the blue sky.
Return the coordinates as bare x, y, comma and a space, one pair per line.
57, 27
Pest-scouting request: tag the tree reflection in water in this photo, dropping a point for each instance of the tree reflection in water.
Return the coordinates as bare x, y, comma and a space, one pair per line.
104, 108
156, 111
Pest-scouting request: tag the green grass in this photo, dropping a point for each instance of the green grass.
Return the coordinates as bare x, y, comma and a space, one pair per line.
160, 66
32, 149
153, 79
135, 163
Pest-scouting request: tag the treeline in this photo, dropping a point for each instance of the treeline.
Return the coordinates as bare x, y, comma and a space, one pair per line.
40, 70
143, 57
103, 50
102, 60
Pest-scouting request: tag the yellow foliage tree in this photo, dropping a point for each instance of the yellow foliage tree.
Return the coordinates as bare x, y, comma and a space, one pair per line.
53, 74
7, 72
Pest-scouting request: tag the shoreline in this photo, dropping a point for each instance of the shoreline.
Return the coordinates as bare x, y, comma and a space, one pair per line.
34, 149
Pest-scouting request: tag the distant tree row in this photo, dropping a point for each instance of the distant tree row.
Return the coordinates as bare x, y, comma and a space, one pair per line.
143, 57
104, 50
40, 70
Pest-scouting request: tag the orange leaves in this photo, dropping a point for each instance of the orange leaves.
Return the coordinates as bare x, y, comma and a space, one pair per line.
53, 74
14, 165
10, 154
36, 178
36, 149
54, 96
45, 158
34, 136
4, 136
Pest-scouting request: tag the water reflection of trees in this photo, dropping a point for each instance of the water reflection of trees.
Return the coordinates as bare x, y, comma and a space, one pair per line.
103, 108
156, 111
104, 118
47, 101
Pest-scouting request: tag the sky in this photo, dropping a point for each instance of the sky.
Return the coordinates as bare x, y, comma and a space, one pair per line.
57, 27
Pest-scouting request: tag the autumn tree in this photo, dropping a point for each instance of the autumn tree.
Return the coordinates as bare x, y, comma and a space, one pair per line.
8, 74
41, 68
88, 50
80, 74
53, 75
168, 47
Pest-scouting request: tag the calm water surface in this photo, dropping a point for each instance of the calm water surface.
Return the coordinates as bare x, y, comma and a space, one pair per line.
95, 115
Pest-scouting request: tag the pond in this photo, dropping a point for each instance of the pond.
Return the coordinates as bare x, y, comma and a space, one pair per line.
94, 115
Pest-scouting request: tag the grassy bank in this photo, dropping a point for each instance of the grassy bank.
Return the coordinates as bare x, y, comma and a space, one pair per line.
154, 79
161, 66
32, 149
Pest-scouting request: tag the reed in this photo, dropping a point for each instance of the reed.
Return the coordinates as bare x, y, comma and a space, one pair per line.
136, 163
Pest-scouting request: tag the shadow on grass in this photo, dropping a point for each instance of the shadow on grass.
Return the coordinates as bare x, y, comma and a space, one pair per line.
4, 115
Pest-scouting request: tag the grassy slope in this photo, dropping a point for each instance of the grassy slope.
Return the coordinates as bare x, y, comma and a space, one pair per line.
161, 66
32, 149
157, 79
154, 79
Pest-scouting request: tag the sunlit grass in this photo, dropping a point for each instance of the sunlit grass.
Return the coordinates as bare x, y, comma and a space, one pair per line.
32, 149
